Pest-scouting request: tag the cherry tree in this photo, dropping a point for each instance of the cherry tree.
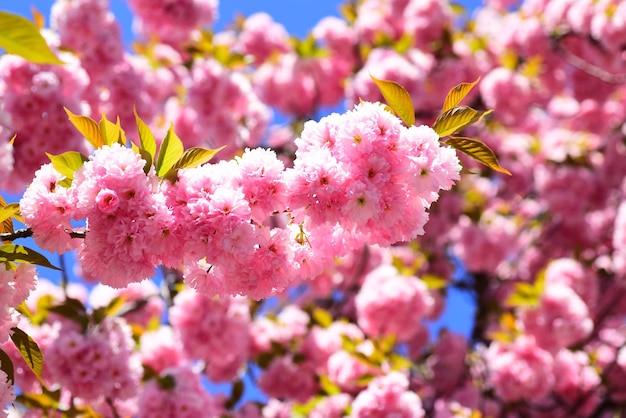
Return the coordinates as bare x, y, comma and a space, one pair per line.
305, 259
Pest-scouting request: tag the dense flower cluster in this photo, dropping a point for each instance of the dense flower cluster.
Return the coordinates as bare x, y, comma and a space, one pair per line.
15, 285
372, 182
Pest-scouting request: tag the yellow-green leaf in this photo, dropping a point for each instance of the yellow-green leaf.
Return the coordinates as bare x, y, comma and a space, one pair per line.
525, 294
400, 363
457, 118
29, 350
13, 252
170, 152
478, 150
45, 401
67, 163
21, 37
6, 213
322, 317
434, 282
112, 132
6, 365
87, 127
192, 157
457, 94
398, 99
387, 343
146, 137
328, 386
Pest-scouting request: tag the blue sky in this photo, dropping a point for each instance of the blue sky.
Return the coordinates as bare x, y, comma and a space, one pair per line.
297, 16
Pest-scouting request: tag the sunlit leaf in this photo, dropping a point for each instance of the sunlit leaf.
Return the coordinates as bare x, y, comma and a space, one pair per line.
457, 94
398, 99
434, 282
478, 150
304, 410
387, 343
146, 137
67, 163
21, 37
402, 45
13, 252
457, 118
111, 132
398, 362
192, 157
328, 386
365, 359
6, 365
29, 350
170, 152
7, 212
322, 317
42, 401
365, 379
87, 127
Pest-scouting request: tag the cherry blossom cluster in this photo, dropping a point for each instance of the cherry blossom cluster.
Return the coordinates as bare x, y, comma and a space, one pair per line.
363, 176
16, 282
32, 103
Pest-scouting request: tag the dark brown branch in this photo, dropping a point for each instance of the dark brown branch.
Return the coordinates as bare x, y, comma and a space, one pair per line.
20, 233
27, 233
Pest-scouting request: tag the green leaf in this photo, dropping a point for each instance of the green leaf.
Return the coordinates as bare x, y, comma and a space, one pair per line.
192, 157
328, 386
29, 350
170, 152
525, 294
434, 282
72, 309
166, 382
20, 36
111, 132
7, 212
235, 394
12, 210
87, 127
457, 118
13, 252
457, 94
304, 410
146, 137
398, 99
365, 379
114, 308
400, 363
6, 365
322, 317
67, 163
45, 401
478, 150
386, 343
145, 155
365, 359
